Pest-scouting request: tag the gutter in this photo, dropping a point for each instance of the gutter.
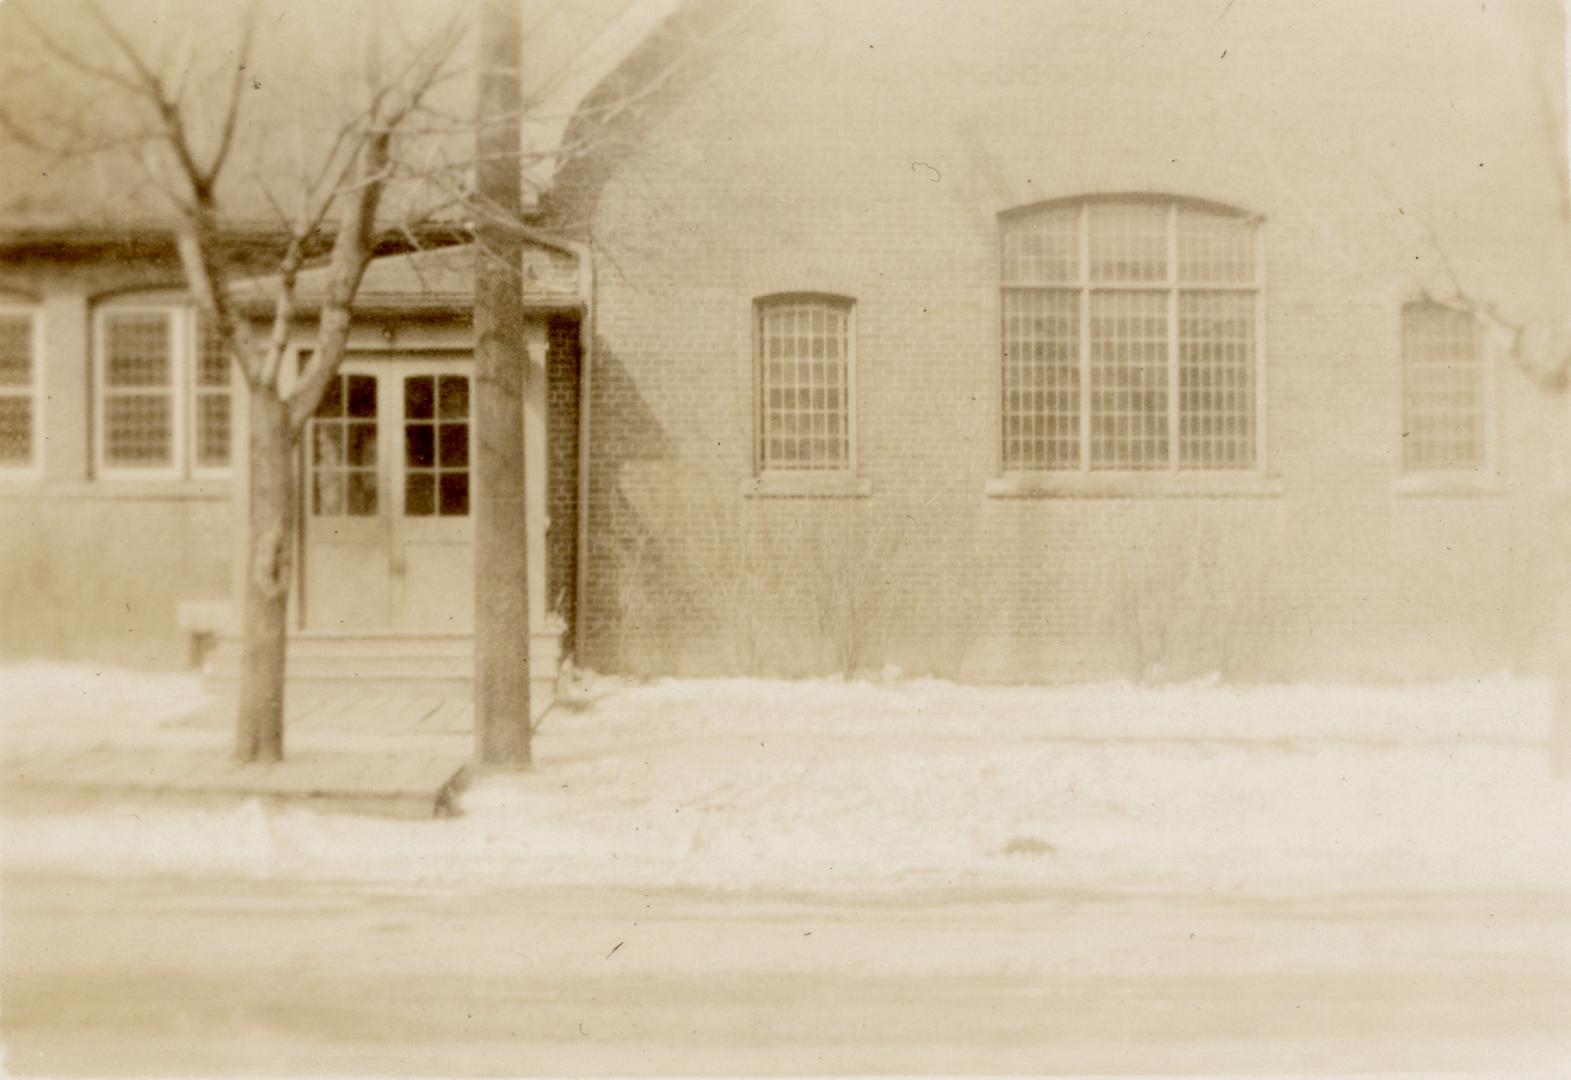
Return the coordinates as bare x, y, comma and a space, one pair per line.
586, 338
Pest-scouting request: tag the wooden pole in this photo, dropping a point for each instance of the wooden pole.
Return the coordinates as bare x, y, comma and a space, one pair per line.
502, 722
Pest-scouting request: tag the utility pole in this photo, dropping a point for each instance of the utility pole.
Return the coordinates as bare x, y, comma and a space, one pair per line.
502, 720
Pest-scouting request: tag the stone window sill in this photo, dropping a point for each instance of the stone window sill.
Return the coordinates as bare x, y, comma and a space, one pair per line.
120, 488
1111, 485
806, 485
1445, 485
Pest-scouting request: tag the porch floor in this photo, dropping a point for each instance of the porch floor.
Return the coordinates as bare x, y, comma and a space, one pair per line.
390, 755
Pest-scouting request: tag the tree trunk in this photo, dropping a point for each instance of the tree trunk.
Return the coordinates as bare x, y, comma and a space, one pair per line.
270, 512
502, 720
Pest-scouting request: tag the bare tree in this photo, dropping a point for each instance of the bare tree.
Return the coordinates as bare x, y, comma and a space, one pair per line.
366, 157
181, 130
1541, 348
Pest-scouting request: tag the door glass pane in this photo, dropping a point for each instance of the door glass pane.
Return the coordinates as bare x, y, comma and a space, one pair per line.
419, 498
455, 494
362, 395
455, 397
419, 445
362, 443
362, 493
436, 445
343, 449
418, 398
332, 398
455, 446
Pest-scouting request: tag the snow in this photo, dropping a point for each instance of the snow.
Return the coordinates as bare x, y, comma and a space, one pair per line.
827, 786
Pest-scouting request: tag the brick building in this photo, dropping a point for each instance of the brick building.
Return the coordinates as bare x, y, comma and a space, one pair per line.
1014, 341
1038, 341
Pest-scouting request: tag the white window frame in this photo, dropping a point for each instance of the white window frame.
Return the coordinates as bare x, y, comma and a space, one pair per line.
34, 392
195, 392
1083, 475
184, 328
803, 477
1418, 479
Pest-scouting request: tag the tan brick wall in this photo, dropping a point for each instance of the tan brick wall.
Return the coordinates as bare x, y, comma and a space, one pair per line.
857, 150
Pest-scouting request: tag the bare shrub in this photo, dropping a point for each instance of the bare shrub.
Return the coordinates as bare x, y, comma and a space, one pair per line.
1192, 599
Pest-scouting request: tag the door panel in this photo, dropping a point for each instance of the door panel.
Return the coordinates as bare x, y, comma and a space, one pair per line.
433, 538
387, 497
346, 541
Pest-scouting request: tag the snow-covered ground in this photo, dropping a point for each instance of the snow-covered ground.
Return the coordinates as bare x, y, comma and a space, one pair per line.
831, 786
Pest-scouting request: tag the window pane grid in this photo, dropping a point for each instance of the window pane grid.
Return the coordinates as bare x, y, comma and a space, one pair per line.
1214, 248
343, 449
1216, 380
137, 428
1443, 389
1162, 373
436, 445
1128, 242
16, 351
16, 429
138, 391
804, 386
16, 390
1129, 380
212, 392
1043, 248
139, 351
1041, 403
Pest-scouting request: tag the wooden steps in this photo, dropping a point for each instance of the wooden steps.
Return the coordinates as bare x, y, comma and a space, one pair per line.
386, 664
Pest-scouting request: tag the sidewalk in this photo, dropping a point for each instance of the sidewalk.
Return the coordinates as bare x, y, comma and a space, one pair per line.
911, 787
377, 755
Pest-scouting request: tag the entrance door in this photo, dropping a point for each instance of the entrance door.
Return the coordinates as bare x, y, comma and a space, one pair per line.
388, 536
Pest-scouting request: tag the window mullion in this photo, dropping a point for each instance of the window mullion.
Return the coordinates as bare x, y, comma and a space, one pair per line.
1258, 357
760, 371
1172, 337
1085, 337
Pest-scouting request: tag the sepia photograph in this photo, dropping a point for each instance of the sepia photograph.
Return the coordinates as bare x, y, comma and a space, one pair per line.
790, 538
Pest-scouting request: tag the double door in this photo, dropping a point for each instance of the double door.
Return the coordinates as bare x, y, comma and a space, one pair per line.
387, 493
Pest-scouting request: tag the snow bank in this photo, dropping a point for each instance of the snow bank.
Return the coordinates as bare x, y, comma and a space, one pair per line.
826, 786
77, 702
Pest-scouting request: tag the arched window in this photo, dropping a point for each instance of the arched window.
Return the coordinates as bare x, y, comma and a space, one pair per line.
1444, 390
1129, 336
164, 392
803, 346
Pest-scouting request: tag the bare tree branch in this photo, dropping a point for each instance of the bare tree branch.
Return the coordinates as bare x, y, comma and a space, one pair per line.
236, 92
71, 59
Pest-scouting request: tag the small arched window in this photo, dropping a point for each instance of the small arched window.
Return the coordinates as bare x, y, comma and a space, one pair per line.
164, 392
1444, 390
805, 419
1130, 336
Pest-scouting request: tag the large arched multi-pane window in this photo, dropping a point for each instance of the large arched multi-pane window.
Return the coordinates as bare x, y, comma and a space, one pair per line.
1130, 336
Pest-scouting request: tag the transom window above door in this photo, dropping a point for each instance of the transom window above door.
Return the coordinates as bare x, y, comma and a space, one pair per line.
1130, 337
